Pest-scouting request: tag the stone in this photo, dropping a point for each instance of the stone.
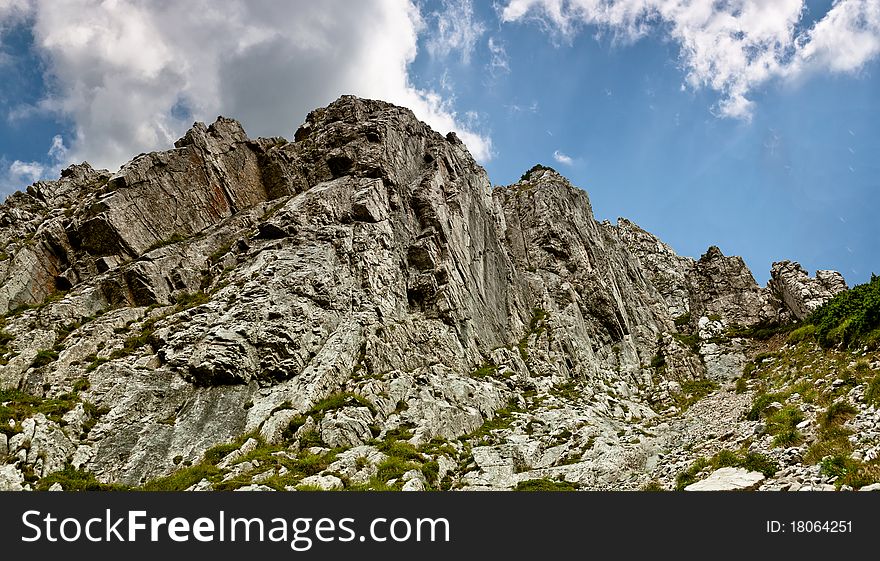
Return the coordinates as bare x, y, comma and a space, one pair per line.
801, 293
10, 478
414, 480
56, 487
323, 482
273, 428
255, 488
728, 479
871, 487
347, 427
249, 446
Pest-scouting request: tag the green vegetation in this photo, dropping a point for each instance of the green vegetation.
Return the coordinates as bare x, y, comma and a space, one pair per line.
872, 392
503, 418
184, 478
849, 471
487, 369
761, 331
190, 300
6, 353
751, 461
537, 326
658, 360
330, 403
175, 238
804, 333
221, 252
44, 357
837, 413
18, 405
534, 168
782, 424
851, 319
692, 341
544, 485
72, 479
694, 390
134, 342
682, 320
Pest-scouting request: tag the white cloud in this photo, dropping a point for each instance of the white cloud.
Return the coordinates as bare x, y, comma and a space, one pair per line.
456, 29
562, 158
132, 75
498, 61
729, 46
26, 171
19, 174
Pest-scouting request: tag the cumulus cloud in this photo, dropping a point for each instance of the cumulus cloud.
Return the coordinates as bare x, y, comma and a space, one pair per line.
456, 29
562, 158
18, 174
132, 75
729, 46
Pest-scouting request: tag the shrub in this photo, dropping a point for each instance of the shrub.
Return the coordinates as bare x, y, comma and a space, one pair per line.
534, 168
851, 317
658, 361
682, 320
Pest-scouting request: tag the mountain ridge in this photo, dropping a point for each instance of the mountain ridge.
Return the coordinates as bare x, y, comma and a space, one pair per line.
228, 289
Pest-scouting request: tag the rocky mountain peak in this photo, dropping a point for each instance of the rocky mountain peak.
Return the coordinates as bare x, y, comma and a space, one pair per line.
331, 295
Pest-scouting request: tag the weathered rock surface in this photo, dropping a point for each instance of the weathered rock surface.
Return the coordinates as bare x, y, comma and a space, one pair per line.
355, 308
801, 293
728, 479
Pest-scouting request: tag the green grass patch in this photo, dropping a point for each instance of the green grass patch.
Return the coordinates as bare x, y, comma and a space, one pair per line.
44, 357
760, 331
782, 424
175, 238
18, 406
184, 478
544, 485
751, 461
872, 391
682, 320
72, 479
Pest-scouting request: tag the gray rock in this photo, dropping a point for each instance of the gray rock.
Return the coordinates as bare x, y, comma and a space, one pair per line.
347, 427
728, 479
801, 293
10, 478
255, 488
249, 446
323, 482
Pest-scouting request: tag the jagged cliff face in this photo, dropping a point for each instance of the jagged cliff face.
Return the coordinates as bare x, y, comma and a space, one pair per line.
227, 286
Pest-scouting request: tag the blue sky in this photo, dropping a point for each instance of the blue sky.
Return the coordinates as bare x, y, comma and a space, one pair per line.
752, 128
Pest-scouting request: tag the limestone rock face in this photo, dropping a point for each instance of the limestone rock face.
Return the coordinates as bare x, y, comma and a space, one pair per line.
728, 479
801, 293
361, 283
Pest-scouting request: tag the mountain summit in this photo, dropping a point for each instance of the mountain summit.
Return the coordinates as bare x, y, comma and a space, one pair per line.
359, 308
